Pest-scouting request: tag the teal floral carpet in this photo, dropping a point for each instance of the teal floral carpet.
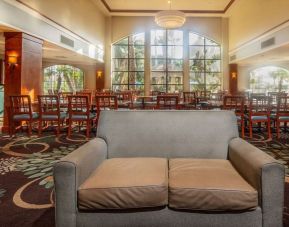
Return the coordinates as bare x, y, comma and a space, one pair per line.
26, 183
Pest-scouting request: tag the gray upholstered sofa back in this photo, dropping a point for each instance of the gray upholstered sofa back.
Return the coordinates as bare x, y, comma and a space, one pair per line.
198, 134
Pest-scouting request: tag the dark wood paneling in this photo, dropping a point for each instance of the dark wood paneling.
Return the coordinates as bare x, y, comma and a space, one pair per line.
233, 78
100, 80
26, 76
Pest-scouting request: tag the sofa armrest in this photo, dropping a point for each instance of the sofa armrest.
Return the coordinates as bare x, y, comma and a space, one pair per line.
265, 174
69, 173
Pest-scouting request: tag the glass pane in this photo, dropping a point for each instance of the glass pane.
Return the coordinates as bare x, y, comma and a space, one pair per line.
120, 64
213, 66
175, 37
138, 39
120, 51
119, 87
122, 42
158, 78
197, 66
213, 87
175, 78
175, 65
175, 52
211, 42
158, 37
175, 88
197, 52
197, 87
214, 78
195, 39
133, 87
136, 65
158, 51
160, 87
197, 78
158, 64
136, 51
120, 78
136, 78
213, 52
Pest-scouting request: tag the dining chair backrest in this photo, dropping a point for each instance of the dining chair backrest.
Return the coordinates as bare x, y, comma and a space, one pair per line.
78, 105
48, 105
20, 104
260, 105
167, 102
189, 97
274, 96
234, 102
87, 93
106, 102
283, 105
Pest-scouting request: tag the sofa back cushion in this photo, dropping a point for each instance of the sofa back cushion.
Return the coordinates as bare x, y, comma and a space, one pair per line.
169, 134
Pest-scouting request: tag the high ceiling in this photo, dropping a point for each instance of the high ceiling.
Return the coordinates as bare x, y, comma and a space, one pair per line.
189, 6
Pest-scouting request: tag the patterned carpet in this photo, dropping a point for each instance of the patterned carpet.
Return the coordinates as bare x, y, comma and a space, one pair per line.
26, 184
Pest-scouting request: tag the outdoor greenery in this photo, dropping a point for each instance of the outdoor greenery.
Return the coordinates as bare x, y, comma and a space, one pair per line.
128, 63
269, 79
65, 78
205, 64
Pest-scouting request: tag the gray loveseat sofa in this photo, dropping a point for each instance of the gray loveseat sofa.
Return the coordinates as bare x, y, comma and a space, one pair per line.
202, 152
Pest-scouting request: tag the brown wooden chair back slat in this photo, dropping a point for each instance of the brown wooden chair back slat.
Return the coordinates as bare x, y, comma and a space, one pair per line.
260, 105
20, 104
48, 105
167, 102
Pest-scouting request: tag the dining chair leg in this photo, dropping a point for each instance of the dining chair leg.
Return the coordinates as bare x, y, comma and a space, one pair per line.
269, 129
39, 128
29, 128
278, 128
87, 129
250, 129
69, 128
242, 128
58, 128
11, 130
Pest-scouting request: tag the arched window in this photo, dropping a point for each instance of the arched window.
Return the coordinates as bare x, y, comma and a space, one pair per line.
269, 79
205, 63
128, 63
65, 78
167, 60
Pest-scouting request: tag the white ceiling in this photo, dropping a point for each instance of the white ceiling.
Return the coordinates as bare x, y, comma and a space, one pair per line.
163, 4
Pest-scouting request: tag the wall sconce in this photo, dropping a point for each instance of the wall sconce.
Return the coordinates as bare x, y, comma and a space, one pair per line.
99, 74
12, 61
234, 75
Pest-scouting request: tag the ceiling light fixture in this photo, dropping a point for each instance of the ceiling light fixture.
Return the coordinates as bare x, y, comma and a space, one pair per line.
170, 18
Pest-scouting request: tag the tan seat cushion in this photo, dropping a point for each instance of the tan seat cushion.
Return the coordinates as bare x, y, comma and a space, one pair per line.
122, 183
208, 184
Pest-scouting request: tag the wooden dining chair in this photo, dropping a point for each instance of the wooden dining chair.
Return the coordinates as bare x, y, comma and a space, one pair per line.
63, 100
21, 110
236, 104
49, 110
124, 99
79, 111
259, 112
203, 98
189, 100
88, 94
167, 102
105, 102
282, 114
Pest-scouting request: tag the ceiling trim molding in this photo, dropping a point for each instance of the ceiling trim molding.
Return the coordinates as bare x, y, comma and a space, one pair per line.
155, 11
48, 18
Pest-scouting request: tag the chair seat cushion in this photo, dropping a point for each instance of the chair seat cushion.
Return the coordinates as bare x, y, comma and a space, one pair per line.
208, 184
284, 118
25, 116
80, 117
124, 183
54, 117
259, 118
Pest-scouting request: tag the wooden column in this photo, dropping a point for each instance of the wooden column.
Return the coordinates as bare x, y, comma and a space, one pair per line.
24, 75
233, 78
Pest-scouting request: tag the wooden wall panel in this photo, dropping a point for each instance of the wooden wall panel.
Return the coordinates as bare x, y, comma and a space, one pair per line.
26, 76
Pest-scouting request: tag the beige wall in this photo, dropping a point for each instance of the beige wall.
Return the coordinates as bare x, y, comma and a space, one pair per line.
80, 16
248, 19
215, 28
